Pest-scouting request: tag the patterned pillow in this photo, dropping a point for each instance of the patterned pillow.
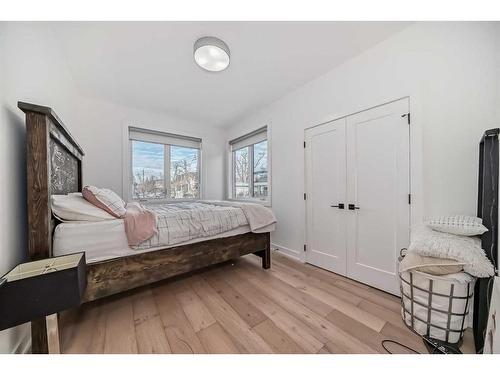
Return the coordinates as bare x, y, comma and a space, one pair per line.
105, 199
459, 224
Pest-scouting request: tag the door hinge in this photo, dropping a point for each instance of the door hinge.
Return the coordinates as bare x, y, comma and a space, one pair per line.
409, 198
304, 144
408, 117
305, 196
305, 247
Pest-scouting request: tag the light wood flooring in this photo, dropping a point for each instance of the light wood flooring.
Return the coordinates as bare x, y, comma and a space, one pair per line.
238, 307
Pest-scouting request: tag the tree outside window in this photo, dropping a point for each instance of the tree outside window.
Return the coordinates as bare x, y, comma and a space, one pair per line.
163, 171
250, 169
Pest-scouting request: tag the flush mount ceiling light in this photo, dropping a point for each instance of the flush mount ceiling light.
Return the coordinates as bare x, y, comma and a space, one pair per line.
211, 54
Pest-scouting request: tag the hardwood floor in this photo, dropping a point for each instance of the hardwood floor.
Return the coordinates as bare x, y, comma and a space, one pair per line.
240, 308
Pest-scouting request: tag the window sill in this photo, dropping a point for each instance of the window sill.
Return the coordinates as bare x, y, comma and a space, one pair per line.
266, 203
153, 201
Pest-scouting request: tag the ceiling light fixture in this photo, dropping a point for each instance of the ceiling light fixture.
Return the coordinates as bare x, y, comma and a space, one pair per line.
211, 54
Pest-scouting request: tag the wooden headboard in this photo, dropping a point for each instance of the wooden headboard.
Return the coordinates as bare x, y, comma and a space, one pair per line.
54, 166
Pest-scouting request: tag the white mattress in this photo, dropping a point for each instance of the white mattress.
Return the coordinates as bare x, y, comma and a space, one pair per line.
103, 240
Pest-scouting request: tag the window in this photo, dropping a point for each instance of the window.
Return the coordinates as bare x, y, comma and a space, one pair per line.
250, 172
164, 166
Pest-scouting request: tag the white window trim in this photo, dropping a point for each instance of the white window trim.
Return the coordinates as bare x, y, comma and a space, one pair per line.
127, 166
230, 175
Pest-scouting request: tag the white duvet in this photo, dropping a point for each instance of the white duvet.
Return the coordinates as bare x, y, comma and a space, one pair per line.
258, 216
178, 224
185, 221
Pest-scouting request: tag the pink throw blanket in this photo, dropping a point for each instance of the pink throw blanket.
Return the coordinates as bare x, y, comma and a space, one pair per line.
140, 223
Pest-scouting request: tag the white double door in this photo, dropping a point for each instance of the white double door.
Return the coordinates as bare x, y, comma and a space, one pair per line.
357, 186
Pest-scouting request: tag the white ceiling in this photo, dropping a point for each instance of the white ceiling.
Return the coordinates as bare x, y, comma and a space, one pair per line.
150, 65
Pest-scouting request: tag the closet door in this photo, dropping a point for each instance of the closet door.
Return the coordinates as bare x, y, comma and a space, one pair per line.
325, 188
378, 187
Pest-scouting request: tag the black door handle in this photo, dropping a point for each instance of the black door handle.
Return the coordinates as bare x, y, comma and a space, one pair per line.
339, 206
353, 207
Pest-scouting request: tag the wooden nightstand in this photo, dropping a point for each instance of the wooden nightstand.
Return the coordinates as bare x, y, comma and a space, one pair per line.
36, 291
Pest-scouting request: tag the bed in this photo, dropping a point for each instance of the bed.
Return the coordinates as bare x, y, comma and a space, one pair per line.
54, 167
105, 240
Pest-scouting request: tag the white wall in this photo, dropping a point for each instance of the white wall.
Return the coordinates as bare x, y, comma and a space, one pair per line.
450, 71
101, 136
32, 69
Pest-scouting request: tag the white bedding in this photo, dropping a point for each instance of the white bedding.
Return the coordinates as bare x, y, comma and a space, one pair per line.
258, 216
180, 222
106, 239
177, 224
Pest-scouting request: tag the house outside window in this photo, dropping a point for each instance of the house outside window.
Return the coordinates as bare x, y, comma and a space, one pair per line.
250, 179
164, 166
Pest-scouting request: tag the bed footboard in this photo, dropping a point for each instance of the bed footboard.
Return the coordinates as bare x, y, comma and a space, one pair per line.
117, 275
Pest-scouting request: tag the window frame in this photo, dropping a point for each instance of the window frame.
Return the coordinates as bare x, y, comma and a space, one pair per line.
129, 175
231, 167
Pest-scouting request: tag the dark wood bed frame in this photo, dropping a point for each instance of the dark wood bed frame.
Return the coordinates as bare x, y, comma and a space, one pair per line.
487, 209
54, 166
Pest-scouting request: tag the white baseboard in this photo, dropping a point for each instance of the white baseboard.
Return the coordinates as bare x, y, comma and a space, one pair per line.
287, 251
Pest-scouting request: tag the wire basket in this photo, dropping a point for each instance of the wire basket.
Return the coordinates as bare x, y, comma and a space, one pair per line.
436, 306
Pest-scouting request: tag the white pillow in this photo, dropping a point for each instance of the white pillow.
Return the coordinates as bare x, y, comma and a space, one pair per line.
466, 250
73, 207
458, 224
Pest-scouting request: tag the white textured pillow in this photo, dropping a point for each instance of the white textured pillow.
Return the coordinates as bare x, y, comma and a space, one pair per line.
73, 207
466, 250
106, 199
458, 224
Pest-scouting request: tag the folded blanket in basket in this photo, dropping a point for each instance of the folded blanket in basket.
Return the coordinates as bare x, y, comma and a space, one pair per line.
466, 250
431, 265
